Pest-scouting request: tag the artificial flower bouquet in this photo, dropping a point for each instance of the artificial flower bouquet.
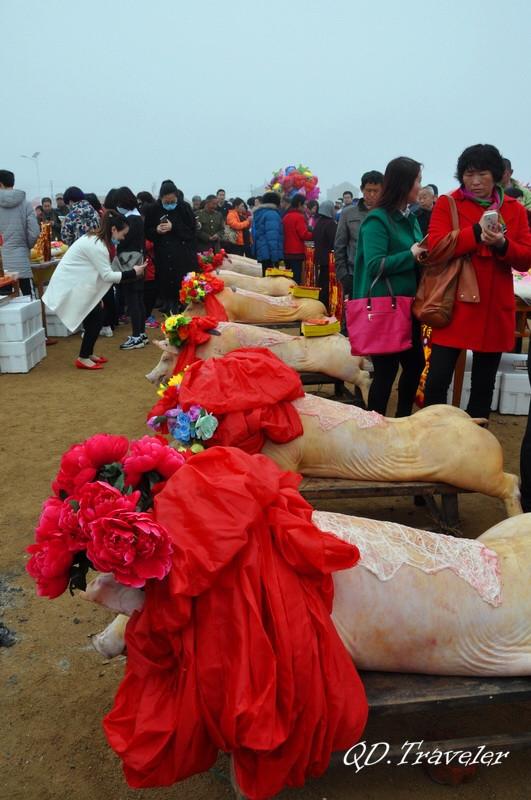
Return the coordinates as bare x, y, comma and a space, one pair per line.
197, 285
210, 261
189, 428
100, 515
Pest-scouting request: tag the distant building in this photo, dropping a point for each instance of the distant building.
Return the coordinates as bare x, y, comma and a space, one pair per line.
337, 191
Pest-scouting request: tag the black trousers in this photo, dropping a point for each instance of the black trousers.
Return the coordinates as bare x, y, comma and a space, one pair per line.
151, 289
110, 311
134, 301
385, 370
323, 281
295, 264
25, 285
234, 249
442, 365
525, 457
91, 325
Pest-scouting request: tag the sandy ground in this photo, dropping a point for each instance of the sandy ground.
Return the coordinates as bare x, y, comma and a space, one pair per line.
56, 689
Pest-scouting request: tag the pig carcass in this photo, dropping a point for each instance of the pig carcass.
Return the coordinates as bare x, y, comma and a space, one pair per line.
328, 354
244, 306
439, 443
243, 265
415, 602
275, 287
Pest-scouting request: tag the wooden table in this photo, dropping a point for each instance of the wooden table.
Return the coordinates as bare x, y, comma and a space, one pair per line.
6, 281
446, 514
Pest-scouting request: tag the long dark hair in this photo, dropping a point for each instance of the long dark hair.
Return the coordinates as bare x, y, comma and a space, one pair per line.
111, 219
400, 175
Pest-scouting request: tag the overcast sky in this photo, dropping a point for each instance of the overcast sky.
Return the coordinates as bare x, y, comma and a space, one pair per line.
216, 94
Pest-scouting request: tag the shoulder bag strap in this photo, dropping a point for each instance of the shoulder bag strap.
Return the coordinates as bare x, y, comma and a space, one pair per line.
453, 212
375, 281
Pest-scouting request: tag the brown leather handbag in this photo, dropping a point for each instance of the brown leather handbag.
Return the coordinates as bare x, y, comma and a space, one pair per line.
443, 278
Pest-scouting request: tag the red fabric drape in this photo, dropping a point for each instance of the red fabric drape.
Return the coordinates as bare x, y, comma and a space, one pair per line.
214, 308
197, 335
235, 649
250, 392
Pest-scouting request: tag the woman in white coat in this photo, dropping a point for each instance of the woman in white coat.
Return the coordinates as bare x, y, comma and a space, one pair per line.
81, 280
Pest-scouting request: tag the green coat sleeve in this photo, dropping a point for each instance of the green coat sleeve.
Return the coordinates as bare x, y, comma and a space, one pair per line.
376, 245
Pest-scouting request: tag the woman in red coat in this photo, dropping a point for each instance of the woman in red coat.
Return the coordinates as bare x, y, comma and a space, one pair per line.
487, 328
296, 232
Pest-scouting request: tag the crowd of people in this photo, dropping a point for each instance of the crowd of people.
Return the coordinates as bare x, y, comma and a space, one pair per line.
133, 251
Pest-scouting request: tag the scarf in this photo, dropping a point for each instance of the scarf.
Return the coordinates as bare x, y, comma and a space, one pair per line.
494, 202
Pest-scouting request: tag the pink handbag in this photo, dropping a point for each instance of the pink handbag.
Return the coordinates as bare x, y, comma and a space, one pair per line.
379, 325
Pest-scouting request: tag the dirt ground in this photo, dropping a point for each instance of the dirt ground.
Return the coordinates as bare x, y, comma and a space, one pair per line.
56, 689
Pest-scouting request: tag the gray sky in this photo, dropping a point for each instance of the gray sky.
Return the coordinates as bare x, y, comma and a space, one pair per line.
218, 93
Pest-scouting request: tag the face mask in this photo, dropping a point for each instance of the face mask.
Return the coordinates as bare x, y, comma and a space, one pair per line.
169, 206
115, 242
122, 211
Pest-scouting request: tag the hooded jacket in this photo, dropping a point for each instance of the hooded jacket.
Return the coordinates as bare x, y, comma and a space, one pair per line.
19, 229
267, 233
324, 233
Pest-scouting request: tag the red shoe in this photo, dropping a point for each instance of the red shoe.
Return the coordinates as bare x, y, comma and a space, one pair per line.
79, 364
99, 359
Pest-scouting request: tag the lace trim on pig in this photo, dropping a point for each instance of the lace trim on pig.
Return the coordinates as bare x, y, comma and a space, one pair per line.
286, 301
252, 336
386, 546
330, 413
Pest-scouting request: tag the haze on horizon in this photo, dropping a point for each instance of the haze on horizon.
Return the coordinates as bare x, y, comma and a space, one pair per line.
215, 95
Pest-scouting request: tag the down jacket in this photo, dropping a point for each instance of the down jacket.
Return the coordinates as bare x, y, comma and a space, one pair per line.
267, 233
19, 229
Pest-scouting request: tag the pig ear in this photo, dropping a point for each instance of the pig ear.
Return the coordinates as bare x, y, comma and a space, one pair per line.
166, 346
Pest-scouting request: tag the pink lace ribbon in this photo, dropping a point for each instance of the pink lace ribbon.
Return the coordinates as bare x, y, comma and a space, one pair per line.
387, 546
330, 413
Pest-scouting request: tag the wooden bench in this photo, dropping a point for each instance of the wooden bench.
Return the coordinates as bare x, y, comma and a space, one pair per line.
390, 694
278, 326
446, 514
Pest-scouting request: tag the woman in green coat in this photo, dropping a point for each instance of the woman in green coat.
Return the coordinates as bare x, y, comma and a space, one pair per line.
392, 233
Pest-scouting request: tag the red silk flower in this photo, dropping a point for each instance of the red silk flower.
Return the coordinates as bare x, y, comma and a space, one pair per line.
131, 545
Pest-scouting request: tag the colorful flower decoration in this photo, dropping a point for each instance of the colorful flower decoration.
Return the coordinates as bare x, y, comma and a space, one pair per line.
210, 261
295, 180
101, 517
197, 285
188, 428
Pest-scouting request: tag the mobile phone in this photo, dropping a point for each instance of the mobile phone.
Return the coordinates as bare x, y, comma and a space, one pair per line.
489, 220
164, 218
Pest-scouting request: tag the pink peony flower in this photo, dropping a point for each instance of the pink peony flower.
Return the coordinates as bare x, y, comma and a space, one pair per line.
49, 566
150, 454
131, 545
81, 462
99, 499
48, 526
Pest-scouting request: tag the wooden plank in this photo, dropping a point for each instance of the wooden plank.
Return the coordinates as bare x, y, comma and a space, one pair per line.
496, 742
338, 488
276, 325
392, 693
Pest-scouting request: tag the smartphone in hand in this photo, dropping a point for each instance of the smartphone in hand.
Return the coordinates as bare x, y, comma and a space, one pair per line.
489, 220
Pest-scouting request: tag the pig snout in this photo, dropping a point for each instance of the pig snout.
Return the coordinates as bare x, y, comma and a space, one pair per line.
106, 591
164, 368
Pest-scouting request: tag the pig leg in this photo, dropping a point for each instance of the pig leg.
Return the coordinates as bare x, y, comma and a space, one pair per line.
106, 591
111, 641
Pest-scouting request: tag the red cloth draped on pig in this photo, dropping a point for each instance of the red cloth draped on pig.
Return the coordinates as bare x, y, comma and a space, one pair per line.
235, 650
